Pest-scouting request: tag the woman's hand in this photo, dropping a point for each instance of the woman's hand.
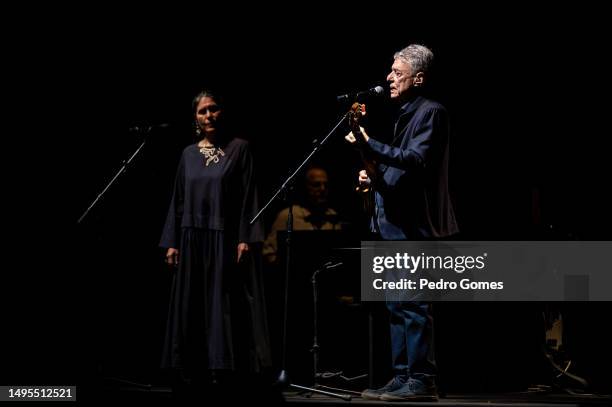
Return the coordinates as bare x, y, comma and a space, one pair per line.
172, 257
243, 251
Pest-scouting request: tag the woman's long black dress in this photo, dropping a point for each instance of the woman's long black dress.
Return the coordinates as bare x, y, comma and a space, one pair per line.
217, 316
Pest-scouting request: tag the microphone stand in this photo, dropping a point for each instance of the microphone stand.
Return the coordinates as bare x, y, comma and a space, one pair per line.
283, 377
126, 164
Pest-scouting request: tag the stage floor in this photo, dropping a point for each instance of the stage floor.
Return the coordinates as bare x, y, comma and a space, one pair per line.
465, 400
212, 397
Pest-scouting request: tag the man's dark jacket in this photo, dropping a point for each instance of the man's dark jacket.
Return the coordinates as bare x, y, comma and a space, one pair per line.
412, 192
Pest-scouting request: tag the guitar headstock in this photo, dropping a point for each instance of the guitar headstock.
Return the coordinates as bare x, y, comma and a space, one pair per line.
358, 110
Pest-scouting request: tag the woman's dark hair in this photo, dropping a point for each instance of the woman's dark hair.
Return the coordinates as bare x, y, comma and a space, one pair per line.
213, 94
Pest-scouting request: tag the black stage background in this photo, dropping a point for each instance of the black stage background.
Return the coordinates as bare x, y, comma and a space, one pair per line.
528, 161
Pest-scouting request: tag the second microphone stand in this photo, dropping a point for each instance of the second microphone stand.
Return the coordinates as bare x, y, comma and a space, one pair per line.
283, 378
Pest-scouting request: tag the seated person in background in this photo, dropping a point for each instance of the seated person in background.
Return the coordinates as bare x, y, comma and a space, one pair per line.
315, 214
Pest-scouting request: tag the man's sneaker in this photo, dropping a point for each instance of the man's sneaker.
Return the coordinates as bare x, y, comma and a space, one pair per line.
374, 394
412, 390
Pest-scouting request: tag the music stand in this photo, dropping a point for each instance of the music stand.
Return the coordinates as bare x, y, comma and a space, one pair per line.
324, 251
315, 344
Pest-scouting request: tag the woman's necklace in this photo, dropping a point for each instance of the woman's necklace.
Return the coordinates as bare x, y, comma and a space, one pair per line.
211, 153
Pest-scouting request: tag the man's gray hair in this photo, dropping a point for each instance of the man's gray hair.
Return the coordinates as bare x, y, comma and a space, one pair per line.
419, 57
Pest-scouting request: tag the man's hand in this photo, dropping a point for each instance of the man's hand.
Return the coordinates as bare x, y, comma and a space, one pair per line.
351, 138
172, 257
364, 180
243, 251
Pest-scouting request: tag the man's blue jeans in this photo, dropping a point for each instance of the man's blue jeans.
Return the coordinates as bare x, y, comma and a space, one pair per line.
412, 345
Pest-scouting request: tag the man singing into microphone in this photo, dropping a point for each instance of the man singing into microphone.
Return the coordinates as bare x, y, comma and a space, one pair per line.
412, 203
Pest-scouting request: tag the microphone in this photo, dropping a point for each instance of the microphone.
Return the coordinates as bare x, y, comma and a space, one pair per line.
376, 91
